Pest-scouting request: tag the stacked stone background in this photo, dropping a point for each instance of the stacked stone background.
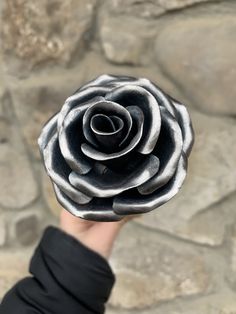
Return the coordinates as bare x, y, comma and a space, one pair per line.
180, 258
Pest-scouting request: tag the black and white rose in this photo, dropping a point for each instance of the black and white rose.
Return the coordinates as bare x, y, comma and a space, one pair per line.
118, 146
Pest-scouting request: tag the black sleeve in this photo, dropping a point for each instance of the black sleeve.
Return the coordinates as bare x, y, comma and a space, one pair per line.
68, 277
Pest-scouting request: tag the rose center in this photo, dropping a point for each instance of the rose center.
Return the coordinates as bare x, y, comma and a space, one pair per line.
103, 124
108, 130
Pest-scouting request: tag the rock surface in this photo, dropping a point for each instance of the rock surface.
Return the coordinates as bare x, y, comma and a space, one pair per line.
222, 303
149, 9
25, 227
211, 178
40, 97
149, 272
13, 267
231, 273
207, 74
94, 64
2, 230
125, 42
49, 196
35, 33
18, 188
3, 91
180, 258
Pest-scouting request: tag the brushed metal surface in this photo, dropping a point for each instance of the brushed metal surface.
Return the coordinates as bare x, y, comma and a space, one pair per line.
118, 146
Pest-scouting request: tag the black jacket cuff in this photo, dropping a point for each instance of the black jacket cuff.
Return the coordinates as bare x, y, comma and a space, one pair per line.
68, 277
82, 272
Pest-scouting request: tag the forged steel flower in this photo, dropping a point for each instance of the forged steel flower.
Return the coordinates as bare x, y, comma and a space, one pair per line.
118, 146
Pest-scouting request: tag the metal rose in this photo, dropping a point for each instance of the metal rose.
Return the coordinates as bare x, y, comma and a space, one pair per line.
118, 146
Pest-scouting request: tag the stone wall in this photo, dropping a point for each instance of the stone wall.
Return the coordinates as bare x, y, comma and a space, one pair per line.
180, 258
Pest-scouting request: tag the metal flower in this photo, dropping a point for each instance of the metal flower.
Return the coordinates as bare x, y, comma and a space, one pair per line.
118, 146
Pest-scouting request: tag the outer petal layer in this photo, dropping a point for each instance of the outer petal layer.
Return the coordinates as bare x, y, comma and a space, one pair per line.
48, 131
79, 99
110, 183
168, 150
125, 204
186, 127
94, 211
59, 171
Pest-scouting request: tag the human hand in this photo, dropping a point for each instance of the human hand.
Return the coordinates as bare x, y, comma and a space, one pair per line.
98, 236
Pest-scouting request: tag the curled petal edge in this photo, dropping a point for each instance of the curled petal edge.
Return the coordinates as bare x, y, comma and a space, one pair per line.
186, 127
61, 180
93, 153
160, 96
90, 213
79, 98
103, 105
150, 108
78, 163
48, 130
124, 205
167, 171
97, 186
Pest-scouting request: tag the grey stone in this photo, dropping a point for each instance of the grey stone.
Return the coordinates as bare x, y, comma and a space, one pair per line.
233, 251
50, 197
203, 208
13, 267
127, 42
37, 33
39, 97
231, 271
202, 62
2, 230
149, 9
18, 188
94, 64
149, 271
25, 227
111, 310
3, 89
218, 303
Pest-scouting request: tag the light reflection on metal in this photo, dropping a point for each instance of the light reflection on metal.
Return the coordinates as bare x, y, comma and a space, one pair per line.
118, 146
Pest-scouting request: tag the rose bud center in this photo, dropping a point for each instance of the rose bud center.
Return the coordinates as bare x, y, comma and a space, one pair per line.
108, 130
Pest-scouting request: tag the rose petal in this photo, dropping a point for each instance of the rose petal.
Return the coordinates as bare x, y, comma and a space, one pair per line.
95, 210
107, 130
59, 171
135, 95
114, 81
110, 183
186, 127
125, 204
70, 139
104, 79
78, 99
168, 149
138, 118
161, 97
47, 132
158, 93
107, 108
